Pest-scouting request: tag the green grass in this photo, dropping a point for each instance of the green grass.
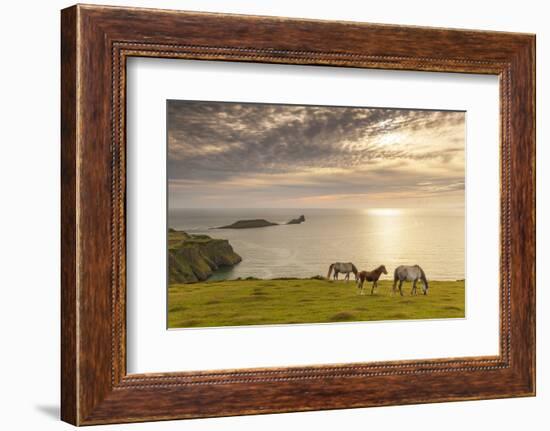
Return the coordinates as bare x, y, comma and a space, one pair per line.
285, 301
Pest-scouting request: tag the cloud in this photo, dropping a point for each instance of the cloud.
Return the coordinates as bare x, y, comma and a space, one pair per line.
240, 152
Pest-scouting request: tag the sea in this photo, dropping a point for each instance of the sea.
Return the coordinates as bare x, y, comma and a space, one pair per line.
433, 239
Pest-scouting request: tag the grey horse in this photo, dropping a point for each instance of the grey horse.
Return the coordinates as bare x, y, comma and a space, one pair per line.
345, 268
409, 273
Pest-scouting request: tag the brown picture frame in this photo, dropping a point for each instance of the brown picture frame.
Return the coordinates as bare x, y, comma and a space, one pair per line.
95, 43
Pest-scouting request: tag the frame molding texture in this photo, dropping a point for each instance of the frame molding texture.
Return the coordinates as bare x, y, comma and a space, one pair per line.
95, 43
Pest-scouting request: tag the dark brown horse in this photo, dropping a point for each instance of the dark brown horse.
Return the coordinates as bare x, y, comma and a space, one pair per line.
370, 276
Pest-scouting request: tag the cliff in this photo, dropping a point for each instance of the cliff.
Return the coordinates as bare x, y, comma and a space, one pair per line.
193, 258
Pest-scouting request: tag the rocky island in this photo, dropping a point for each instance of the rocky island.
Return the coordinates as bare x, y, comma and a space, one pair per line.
248, 224
194, 258
255, 223
298, 220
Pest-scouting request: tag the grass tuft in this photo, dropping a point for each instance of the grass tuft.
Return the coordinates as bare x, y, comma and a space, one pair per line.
343, 316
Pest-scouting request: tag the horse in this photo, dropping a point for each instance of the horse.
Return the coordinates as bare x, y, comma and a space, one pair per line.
344, 268
409, 273
370, 276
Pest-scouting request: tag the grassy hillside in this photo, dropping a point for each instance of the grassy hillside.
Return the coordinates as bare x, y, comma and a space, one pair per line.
260, 302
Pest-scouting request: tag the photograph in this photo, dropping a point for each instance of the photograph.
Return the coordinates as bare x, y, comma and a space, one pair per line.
299, 214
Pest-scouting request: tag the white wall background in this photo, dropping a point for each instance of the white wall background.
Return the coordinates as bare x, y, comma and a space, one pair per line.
29, 214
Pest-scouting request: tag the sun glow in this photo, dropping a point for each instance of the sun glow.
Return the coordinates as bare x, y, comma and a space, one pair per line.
383, 211
392, 138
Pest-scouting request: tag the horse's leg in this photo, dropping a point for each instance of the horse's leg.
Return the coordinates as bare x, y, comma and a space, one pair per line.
372, 288
401, 287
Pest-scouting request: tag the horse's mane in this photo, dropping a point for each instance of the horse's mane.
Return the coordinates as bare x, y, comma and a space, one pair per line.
424, 279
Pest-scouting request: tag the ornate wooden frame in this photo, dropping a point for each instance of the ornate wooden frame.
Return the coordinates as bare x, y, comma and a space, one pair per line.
95, 42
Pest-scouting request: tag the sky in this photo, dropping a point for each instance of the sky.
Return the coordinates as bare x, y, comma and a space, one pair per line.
239, 155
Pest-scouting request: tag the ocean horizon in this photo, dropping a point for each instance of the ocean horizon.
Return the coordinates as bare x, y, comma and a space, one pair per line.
433, 239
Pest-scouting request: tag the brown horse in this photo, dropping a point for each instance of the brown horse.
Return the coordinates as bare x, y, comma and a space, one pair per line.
370, 276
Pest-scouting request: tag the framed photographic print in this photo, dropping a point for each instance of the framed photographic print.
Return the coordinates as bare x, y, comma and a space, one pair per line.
268, 215
308, 186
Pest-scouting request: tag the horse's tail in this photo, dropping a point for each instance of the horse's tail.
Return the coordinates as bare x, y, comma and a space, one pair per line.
330, 270
395, 277
355, 271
